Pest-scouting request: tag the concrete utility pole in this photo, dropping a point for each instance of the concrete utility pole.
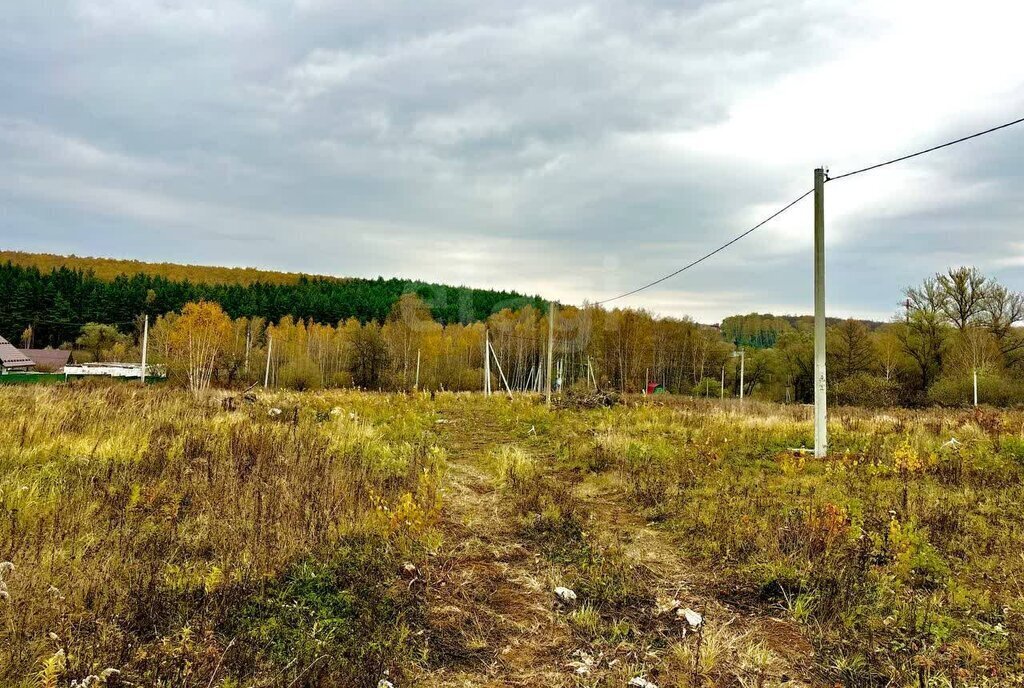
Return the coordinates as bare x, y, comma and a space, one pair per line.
145, 345
417, 385
743, 360
820, 417
975, 386
551, 350
487, 363
266, 375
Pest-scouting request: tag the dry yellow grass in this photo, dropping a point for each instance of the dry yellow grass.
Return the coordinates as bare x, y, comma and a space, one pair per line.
140, 522
315, 539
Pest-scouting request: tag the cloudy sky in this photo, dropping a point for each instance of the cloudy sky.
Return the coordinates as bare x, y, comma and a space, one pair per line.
570, 150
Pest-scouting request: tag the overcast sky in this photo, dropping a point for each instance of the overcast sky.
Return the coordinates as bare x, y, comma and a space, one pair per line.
570, 150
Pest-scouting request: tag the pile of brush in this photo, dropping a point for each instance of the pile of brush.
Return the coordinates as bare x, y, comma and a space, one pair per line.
586, 399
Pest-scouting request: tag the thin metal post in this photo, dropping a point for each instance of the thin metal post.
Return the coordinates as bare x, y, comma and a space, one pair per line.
145, 346
266, 375
487, 363
248, 345
500, 371
417, 385
975, 386
820, 417
551, 350
743, 366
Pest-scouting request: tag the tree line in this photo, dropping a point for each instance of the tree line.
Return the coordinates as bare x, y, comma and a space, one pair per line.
50, 307
397, 335
951, 326
410, 349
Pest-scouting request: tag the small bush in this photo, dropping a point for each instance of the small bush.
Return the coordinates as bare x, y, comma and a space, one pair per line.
869, 391
707, 387
516, 469
300, 375
993, 390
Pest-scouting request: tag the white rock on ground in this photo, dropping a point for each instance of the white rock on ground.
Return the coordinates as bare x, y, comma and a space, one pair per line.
641, 682
565, 594
692, 617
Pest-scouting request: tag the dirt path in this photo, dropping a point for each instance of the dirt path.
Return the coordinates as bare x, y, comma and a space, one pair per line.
494, 620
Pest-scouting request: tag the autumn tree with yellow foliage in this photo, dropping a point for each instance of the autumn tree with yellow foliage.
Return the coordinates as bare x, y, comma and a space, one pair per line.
197, 342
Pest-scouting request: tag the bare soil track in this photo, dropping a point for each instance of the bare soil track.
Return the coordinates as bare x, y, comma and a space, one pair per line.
493, 617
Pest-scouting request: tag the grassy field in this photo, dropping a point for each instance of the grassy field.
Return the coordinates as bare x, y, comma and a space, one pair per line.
342, 539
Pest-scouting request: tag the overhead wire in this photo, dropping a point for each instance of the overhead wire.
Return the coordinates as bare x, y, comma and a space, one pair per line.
926, 150
717, 250
803, 196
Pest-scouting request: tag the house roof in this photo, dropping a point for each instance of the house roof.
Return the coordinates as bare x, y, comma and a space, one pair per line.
54, 359
10, 357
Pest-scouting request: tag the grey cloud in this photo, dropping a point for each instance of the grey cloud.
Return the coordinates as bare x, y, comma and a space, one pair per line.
526, 145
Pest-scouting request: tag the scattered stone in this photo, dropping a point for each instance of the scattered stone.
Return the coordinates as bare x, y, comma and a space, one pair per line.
274, 412
693, 618
384, 683
409, 570
565, 594
641, 682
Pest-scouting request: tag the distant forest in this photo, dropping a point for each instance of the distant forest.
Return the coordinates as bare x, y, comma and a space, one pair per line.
762, 330
55, 301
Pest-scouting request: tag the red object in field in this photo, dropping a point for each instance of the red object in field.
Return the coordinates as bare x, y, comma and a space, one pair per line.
651, 386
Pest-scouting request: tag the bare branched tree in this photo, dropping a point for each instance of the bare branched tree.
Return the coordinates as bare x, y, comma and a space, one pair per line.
1003, 310
963, 292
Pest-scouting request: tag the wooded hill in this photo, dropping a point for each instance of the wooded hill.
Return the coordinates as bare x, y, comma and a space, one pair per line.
109, 268
56, 295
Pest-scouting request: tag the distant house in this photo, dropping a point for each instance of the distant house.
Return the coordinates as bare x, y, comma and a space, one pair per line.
50, 360
12, 360
655, 388
115, 370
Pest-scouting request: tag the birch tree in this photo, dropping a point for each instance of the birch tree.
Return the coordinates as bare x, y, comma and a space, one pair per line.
197, 341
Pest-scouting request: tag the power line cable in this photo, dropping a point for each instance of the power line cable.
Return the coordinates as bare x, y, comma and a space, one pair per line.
926, 150
805, 195
717, 250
